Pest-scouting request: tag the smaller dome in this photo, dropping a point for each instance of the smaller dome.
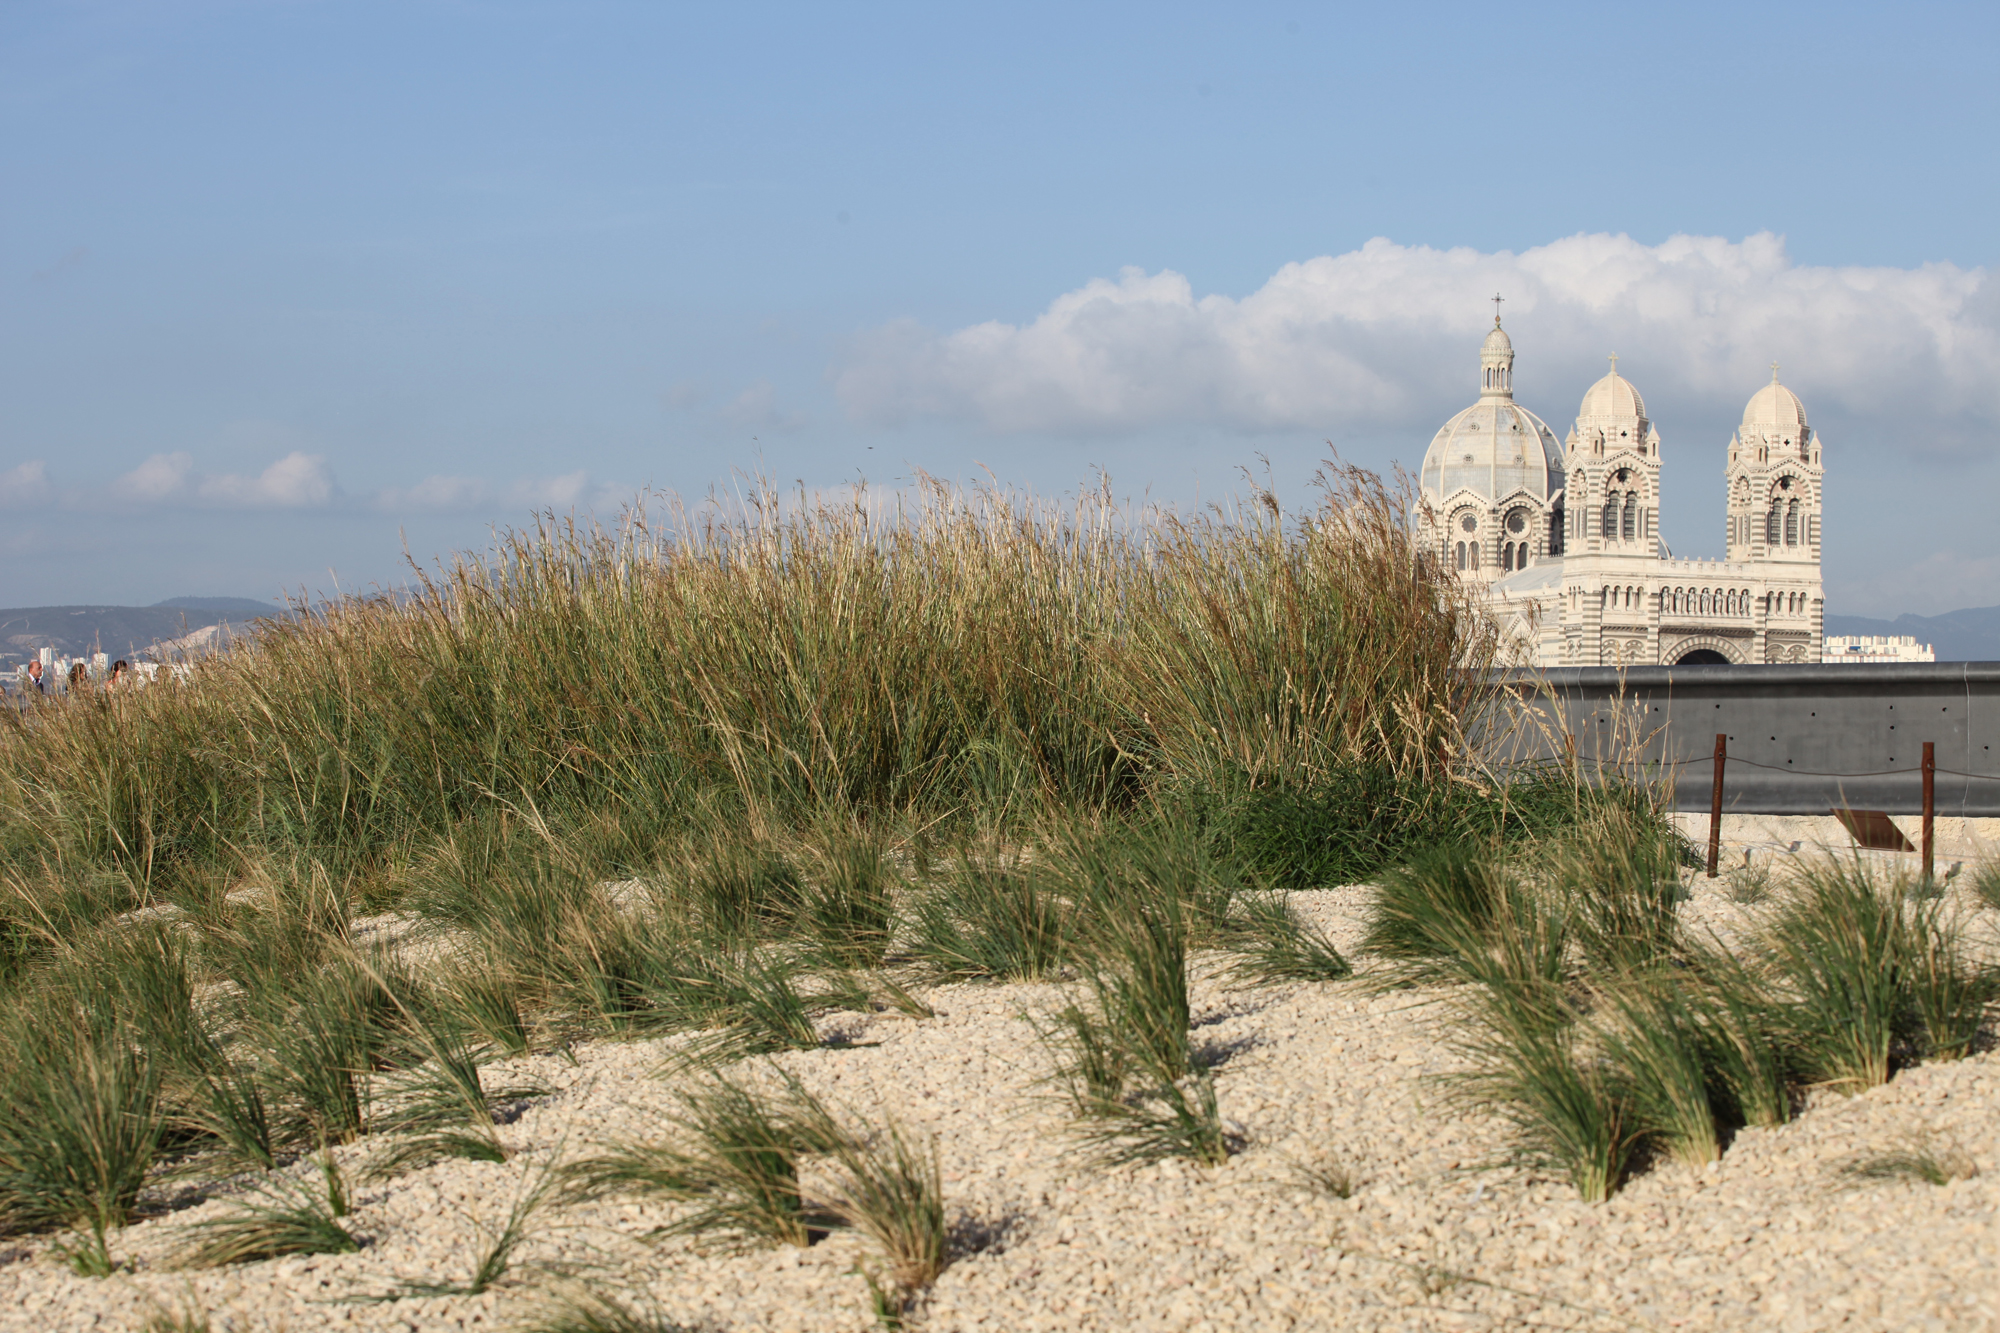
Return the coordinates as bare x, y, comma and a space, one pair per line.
1774, 408
1612, 396
1497, 342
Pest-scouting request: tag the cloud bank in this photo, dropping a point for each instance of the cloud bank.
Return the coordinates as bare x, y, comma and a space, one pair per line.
296, 481
461, 494
1381, 336
25, 486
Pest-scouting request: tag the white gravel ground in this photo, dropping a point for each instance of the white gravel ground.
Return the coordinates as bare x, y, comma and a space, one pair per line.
1772, 1237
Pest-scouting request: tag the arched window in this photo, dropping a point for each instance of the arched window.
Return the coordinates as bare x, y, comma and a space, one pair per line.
1521, 556
1792, 523
1610, 519
1461, 555
1507, 557
1771, 521
1472, 550
1631, 518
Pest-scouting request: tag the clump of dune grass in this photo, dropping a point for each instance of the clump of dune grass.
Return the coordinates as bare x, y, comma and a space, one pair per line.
1920, 1157
1159, 1120
1532, 1062
1271, 944
1463, 911
993, 914
735, 1160
80, 1124
591, 1311
845, 906
1620, 874
1843, 951
1658, 1041
1123, 1056
283, 1216
891, 1189
1985, 884
1870, 974
1325, 1175
1750, 883
1949, 992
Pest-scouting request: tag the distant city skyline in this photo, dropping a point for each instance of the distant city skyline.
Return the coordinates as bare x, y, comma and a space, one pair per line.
287, 286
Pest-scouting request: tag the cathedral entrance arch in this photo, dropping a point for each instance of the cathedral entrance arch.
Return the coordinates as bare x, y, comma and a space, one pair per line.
1704, 650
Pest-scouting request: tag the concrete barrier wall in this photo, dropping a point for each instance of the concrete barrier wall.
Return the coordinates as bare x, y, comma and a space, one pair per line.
1802, 739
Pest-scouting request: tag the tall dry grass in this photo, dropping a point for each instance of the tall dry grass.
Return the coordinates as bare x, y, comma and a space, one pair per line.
940, 653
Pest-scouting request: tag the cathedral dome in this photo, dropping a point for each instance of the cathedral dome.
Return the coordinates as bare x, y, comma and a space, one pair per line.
1496, 447
1774, 409
1612, 396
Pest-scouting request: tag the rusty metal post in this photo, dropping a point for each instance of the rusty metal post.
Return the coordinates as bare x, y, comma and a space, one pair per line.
1930, 806
1715, 804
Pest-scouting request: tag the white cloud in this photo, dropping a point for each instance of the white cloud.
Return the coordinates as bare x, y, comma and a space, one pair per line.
572, 490
1382, 335
757, 408
436, 494
160, 478
457, 494
25, 485
296, 481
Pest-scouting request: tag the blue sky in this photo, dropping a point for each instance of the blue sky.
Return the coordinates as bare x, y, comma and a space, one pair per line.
285, 286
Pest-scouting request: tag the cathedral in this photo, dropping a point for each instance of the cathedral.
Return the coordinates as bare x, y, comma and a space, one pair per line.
1563, 540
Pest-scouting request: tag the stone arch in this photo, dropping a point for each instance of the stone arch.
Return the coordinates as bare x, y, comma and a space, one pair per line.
1679, 653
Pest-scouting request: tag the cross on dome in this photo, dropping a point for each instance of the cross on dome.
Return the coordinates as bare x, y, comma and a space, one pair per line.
1497, 298
1774, 372
1614, 363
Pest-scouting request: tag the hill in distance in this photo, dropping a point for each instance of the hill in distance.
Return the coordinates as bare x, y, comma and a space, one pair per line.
245, 607
1971, 635
122, 631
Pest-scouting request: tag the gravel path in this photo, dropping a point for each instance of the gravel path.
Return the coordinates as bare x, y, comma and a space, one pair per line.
1332, 1075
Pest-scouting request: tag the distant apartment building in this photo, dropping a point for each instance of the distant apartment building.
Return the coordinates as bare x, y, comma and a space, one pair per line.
1856, 648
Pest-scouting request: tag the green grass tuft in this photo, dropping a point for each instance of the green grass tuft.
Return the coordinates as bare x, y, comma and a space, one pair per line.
284, 1216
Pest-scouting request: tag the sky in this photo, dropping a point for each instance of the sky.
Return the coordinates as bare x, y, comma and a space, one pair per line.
293, 294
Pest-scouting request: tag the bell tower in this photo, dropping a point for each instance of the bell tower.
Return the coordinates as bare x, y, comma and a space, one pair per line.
1774, 481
